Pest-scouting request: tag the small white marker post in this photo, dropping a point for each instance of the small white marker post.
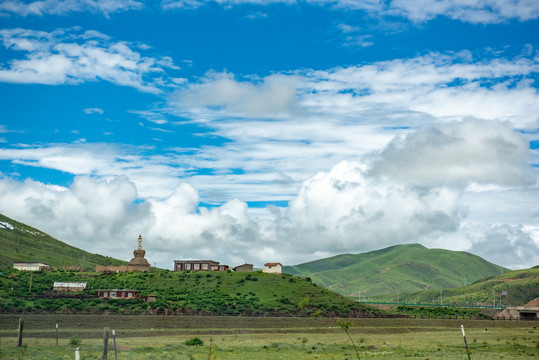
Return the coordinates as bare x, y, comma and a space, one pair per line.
465, 342
56, 334
77, 354
114, 341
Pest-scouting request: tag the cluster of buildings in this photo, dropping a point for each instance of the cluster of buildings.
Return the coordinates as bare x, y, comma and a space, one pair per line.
212, 265
139, 263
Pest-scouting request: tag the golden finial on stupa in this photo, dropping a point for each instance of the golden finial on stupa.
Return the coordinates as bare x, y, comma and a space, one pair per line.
140, 242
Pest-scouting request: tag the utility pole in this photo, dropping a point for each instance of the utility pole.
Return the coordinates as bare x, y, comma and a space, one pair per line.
441, 296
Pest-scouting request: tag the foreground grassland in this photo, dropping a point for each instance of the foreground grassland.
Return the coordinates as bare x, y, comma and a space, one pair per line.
164, 337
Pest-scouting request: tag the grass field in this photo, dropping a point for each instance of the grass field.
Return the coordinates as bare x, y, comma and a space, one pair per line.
164, 337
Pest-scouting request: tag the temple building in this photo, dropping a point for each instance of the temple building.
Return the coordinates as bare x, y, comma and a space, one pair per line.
138, 263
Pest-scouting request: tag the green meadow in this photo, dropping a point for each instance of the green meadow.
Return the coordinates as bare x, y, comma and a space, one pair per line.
187, 293
165, 337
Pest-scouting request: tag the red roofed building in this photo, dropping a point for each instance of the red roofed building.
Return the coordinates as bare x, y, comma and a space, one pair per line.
273, 268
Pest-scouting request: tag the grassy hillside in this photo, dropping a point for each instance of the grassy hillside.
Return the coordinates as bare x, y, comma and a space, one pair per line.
20, 242
397, 269
521, 286
219, 293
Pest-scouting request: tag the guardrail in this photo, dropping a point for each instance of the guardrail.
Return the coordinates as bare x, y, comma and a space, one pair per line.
436, 305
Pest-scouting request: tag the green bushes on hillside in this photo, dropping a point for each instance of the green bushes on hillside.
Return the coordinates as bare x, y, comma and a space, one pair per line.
212, 293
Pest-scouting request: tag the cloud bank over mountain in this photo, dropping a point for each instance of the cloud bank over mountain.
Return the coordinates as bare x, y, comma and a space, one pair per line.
411, 190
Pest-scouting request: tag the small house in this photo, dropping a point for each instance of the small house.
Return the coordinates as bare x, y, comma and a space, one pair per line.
117, 294
199, 265
69, 286
244, 268
273, 268
30, 266
148, 298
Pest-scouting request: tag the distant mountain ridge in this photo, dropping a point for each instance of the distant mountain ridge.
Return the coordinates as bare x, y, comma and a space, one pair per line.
20, 242
396, 269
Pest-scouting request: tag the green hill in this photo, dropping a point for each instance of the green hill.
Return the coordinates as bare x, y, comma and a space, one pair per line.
216, 293
202, 293
22, 243
394, 270
521, 286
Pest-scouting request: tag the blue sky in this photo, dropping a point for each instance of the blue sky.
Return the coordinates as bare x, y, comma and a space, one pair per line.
255, 131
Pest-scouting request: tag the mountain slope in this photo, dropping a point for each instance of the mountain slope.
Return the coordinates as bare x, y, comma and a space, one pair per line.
396, 269
514, 288
20, 242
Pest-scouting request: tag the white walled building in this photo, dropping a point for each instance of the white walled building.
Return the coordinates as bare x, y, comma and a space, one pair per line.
273, 268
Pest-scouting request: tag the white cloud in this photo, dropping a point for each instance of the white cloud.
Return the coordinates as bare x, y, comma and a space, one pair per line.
103, 216
346, 209
256, 15
400, 92
449, 86
273, 95
417, 187
483, 12
510, 245
93, 111
458, 153
472, 11
63, 7
69, 57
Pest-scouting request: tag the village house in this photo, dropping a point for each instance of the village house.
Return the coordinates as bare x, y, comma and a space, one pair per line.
30, 266
117, 294
69, 286
529, 311
244, 268
199, 265
273, 268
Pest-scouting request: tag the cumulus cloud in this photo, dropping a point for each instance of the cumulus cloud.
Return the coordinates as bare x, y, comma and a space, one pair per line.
220, 92
104, 216
355, 206
458, 153
504, 244
71, 56
63, 7
344, 210
91, 211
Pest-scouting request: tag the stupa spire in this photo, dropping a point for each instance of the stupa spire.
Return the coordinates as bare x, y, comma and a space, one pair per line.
139, 263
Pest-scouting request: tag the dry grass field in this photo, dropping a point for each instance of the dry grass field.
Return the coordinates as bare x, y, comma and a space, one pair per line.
164, 337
